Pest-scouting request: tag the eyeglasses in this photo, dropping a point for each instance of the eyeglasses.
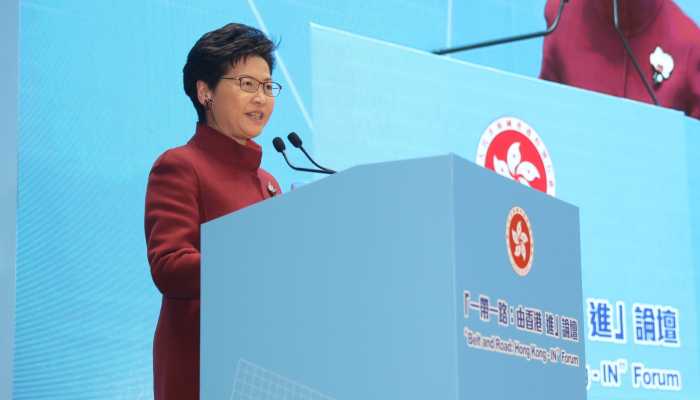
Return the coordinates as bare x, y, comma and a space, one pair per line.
251, 85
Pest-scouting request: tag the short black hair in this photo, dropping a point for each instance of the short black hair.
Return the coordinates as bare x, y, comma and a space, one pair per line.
216, 51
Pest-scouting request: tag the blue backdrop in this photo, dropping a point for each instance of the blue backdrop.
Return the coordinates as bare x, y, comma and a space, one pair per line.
8, 186
101, 97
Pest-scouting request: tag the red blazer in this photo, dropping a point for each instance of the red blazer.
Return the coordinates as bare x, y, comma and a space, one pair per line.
586, 51
210, 176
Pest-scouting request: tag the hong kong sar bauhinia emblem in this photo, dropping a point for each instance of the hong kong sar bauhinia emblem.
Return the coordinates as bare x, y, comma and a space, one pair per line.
513, 149
519, 241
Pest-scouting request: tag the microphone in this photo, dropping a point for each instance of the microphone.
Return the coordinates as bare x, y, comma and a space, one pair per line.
295, 140
510, 39
616, 23
280, 147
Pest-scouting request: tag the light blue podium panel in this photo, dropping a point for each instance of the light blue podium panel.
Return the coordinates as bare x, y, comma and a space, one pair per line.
393, 281
631, 168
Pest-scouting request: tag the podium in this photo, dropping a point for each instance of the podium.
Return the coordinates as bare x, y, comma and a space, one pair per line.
429, 278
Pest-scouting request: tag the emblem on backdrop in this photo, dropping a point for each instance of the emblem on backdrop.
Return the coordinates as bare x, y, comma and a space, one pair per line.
513, 149
519, 241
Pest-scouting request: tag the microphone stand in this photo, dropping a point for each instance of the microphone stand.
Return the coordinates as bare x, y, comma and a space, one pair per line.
295, 140
278, 143
317, 171
628, 49
510, 39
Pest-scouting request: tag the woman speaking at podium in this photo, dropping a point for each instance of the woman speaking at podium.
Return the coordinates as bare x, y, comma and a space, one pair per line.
228, 78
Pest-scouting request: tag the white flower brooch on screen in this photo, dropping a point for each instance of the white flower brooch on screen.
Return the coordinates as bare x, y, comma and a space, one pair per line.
662, 64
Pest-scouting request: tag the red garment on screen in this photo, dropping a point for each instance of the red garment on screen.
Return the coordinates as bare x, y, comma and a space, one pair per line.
585, 51
210, 176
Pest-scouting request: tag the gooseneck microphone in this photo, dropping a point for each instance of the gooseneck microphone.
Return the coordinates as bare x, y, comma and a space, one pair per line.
509, 39
280, 147
628, 49
295, 140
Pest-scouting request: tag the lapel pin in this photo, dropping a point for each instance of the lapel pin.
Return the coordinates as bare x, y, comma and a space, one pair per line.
271, 189
662, 65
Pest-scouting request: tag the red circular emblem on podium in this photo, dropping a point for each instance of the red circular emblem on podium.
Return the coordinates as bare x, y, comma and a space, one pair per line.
511, 148
519, 240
